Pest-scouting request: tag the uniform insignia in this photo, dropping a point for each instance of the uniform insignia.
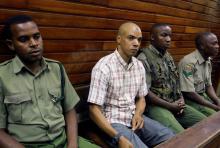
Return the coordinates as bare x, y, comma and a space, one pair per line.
188, 70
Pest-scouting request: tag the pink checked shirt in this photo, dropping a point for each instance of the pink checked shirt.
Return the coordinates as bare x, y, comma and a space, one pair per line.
114, 86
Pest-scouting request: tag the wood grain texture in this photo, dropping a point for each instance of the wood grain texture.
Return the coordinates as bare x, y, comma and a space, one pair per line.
205, 134
78, 33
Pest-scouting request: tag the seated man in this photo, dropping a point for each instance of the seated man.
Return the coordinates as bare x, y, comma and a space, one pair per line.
195, 75
36, 109
117, 79
167, 103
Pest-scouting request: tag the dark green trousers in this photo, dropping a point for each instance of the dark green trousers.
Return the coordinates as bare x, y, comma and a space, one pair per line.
189, 117
203, 109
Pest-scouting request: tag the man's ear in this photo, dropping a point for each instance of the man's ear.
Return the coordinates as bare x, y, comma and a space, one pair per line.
118, 39
10, 44
151, 37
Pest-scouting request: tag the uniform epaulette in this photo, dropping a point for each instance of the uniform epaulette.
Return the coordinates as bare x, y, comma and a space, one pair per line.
50, 60
5, 62
190, 58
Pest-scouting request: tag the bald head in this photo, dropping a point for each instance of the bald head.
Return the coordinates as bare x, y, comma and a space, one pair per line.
125, 27
128, 40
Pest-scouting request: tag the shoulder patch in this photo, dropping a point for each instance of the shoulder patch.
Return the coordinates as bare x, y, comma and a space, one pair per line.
188, 70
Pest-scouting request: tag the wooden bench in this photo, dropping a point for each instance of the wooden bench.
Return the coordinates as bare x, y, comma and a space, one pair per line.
205, 134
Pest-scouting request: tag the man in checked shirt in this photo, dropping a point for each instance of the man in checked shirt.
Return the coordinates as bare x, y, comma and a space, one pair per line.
117, 91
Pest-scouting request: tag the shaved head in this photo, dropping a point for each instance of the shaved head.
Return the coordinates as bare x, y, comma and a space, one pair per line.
126, 26
128, 39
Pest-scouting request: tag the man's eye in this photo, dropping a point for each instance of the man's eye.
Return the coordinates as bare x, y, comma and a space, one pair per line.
164, 34
139, 39
131, 37
23, 39
36, 36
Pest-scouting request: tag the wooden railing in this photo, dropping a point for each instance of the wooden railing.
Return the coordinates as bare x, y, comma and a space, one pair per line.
205, 134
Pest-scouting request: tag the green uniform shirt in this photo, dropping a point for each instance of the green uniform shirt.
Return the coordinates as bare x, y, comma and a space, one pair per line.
195, 73
27, 109
161, 73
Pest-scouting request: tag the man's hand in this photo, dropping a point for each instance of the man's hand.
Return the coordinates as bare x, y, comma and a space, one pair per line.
137, 122
178, 106
124, 143
217, 102
181, 103
216, 107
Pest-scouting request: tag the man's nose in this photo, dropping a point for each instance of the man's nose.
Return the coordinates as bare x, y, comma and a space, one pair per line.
33, 42
168, 38
136, 42
217, 46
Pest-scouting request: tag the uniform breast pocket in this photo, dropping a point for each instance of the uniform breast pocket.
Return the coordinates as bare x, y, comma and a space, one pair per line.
56, 98
15, 105
199, 86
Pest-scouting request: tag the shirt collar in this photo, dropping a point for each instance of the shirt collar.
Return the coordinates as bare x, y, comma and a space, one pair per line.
122, 62
199, 57
18, 65
155, 51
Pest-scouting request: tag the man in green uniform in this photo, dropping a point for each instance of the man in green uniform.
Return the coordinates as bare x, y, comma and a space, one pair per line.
166, 101
195, 75
35, 111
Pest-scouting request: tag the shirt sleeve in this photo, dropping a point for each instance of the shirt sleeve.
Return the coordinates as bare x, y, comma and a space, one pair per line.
98, 87
143, 59
71, 97
143, 87
186, 77
3, 113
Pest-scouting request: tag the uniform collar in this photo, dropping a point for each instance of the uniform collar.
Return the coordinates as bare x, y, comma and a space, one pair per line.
122, 62
18, 65
155, 51
199, 57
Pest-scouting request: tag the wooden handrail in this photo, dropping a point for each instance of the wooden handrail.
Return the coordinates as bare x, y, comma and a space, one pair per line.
205, 134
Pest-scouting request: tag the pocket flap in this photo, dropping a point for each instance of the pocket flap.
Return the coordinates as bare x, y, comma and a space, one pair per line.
17, 99
55, 92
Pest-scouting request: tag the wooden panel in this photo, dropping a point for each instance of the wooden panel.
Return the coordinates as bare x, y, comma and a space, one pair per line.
78, 33
79, 68
155, 8
129, 5
80, 78
18, 4
88, 10
196, 30
77, 57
